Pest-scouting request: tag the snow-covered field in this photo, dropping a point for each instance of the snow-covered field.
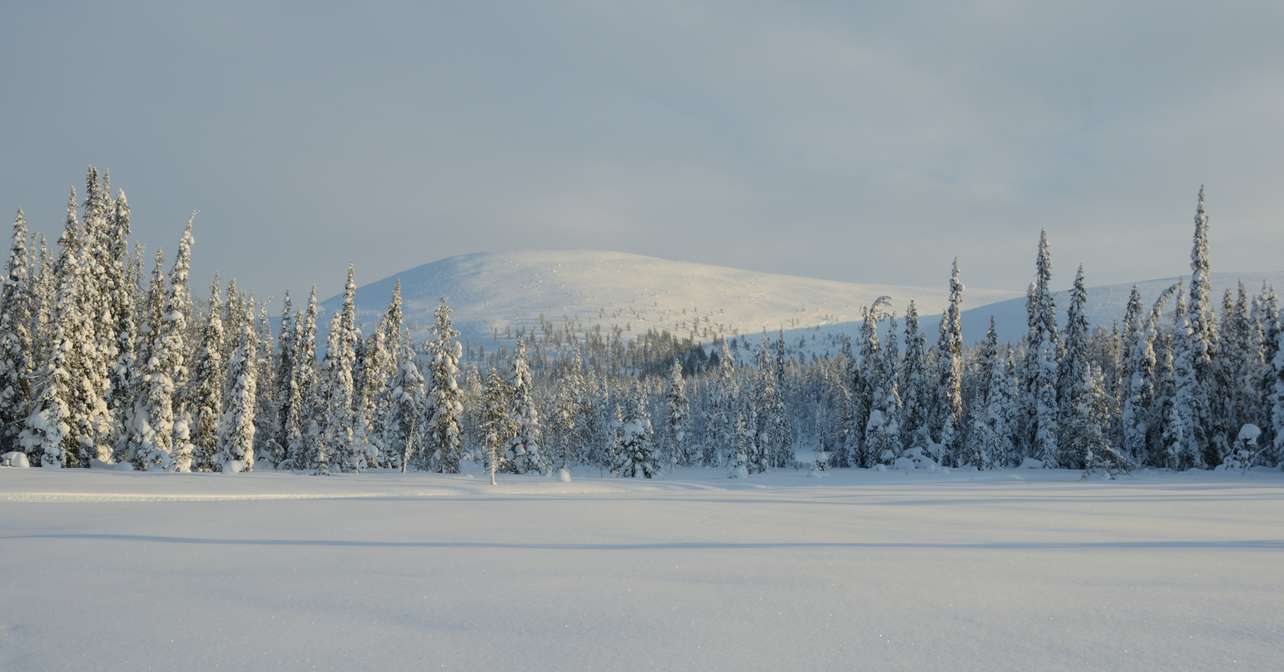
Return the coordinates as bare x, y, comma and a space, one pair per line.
855, 571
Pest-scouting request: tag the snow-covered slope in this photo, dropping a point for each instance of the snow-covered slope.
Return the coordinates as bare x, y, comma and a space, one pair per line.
499, 291
1106, 303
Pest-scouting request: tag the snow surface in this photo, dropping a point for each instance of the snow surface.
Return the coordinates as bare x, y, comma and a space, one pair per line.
1016, 570
594, 288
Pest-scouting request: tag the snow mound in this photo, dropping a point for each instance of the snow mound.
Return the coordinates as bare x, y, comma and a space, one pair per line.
14, 459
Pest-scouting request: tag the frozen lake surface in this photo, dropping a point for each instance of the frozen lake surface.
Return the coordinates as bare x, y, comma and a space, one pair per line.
1016, 570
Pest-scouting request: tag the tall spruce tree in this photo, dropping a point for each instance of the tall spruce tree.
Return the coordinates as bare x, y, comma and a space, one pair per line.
207, 395
677, 417
568, 418
287, 395
915, 394
304, 423
405, 409
497, 425
1072, 372
338, 387
525, 448
124, 290
1180, 438
445, 400
949, 358
236, 431
720, 428
1202, 339
17, 348
1040, 370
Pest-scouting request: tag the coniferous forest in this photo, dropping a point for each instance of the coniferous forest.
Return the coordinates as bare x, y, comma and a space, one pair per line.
108, 357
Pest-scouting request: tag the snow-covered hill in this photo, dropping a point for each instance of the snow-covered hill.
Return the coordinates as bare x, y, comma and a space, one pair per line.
499, 292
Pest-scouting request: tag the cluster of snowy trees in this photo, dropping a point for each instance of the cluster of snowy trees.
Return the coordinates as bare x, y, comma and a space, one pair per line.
100, 365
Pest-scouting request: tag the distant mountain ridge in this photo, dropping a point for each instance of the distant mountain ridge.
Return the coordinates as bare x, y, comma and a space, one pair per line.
503, 292
1106, 304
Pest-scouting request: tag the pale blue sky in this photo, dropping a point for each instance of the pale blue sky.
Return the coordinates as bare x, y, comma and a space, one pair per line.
854, 141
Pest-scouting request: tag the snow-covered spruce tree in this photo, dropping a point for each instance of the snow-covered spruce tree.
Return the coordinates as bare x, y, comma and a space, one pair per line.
69, 418
677, 418
124, 289
949, 359
743, 446
405, 410
287, 395
151, 318
392, 328
164, 370
882, 431
1136, 384
236, 431
377, 363
766, 404
598, 416
834, 407
1133, 322
207, 392
983, 445
720, 429
497, 426
1004, 409
863, 376
1072, 371
266, 450
98, 278
1243, 365
1045, 408
1139, 393
445, 399
338, 387
44, 294
915, 395
470, 422
1042, 327
782, 432
635, 446
1266, 312
1089, 420
233, 315
17, 351
567, 417
335, 394
1202, 341
174, 345
525, 450
304, 421
1180, 440
1277, 400
49, 435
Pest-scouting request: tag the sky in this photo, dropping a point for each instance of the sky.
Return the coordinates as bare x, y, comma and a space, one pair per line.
868, 141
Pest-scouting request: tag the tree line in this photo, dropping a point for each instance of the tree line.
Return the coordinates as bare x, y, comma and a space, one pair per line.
103, 365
